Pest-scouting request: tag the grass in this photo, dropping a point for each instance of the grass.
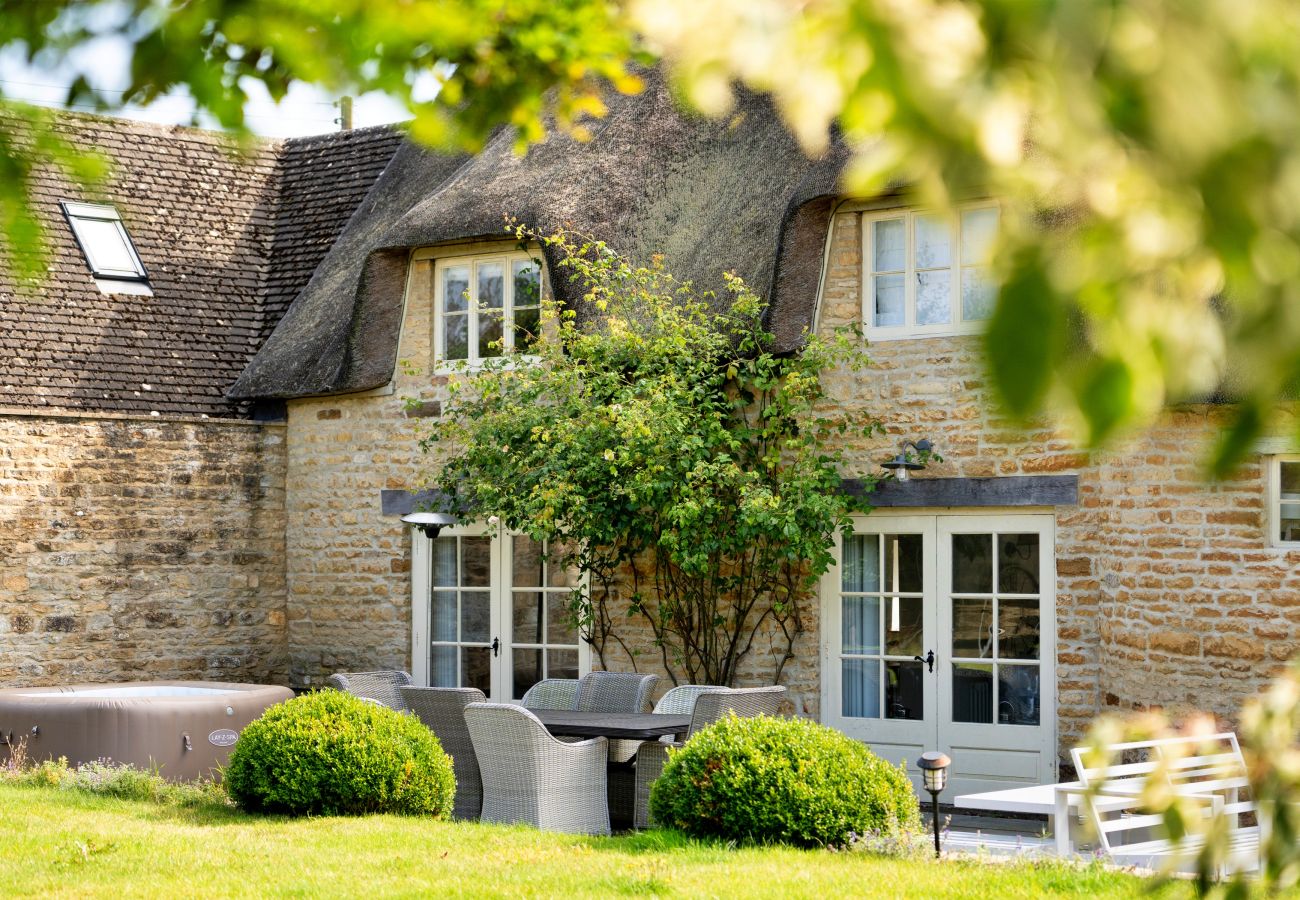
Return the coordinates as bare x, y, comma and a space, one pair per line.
67, 843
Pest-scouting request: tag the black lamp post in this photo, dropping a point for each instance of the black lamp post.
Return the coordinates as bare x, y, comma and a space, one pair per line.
934, 774
429, 522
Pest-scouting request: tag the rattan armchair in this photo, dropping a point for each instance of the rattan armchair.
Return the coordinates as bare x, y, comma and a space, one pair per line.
442, 710
552, 693
382, 687
710, 706
529, 776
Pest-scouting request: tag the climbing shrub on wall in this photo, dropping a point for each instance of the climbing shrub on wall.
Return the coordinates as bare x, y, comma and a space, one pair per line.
657, 440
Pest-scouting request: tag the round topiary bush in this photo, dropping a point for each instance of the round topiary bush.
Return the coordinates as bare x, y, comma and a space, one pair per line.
789, 780
331, 753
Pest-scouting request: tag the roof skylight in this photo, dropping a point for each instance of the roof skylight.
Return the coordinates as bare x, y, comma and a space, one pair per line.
104, 241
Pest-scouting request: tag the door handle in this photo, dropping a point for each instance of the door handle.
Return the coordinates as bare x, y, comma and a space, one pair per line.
929, 659
496, 646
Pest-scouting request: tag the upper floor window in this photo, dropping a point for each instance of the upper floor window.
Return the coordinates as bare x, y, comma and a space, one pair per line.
1284, 501
927, 273
104, 241
486, 306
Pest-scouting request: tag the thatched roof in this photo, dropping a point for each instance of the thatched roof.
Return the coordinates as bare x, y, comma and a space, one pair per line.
711, 196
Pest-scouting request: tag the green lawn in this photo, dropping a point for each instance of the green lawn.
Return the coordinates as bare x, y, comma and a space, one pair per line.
71, 844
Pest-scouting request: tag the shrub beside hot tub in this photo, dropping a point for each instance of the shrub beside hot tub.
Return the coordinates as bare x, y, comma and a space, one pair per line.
330, 753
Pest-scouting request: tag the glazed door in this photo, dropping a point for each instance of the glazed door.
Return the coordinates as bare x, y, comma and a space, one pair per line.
938, 634
491, 612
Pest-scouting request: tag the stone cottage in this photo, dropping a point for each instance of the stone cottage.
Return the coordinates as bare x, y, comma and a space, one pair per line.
207, 480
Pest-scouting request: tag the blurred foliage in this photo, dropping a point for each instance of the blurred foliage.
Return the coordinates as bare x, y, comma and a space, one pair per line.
1147, 152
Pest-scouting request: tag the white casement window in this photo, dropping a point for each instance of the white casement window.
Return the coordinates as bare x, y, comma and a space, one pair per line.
485, 306
1284, 501
927, 273
103, 240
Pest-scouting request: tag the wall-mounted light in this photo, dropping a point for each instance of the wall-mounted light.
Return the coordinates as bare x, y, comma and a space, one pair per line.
429, 522
903, 464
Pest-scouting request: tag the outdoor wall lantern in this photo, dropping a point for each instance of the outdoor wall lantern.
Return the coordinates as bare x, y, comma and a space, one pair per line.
903, 464
934, 775
429, 522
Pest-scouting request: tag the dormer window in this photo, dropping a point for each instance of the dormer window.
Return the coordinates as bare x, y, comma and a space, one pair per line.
486, 306
927, 274
104, 241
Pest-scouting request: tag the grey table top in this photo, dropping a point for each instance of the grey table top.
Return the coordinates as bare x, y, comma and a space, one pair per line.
631, 726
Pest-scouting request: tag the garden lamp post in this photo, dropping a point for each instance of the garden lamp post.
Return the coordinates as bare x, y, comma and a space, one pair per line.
934, 774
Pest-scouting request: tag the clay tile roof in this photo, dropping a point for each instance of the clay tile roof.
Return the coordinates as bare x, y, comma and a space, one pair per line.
227, 236
711, 196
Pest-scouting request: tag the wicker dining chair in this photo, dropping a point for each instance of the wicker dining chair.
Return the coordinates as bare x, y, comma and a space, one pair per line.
710, 706
552, 693
530, 776
382, 687
680, 701
615, 692
442, 710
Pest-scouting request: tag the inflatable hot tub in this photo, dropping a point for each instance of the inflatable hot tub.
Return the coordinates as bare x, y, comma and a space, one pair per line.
183, 728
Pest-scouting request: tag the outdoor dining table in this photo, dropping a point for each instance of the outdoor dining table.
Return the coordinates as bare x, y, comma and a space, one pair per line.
627, 726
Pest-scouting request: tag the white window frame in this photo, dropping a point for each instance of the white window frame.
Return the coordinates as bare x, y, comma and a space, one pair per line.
77, 213
474, 260
1275, 500
909, 329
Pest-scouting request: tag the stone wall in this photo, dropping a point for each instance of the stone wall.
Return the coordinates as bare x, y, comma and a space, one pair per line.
140, 548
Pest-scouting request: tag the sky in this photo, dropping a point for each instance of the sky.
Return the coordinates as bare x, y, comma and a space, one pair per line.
105, 63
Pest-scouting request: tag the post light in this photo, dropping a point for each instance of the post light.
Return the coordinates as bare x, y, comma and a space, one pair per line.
934, 775
902, 464
429, 522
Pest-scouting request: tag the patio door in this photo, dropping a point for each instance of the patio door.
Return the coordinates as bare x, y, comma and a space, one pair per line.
939, 634
491, 612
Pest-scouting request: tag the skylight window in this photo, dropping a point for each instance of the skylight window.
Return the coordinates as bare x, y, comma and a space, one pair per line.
104, 241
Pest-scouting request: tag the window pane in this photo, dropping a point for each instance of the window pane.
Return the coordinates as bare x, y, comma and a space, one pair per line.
526, 561
1289, 521
903, 628
860, 566
528, 323
977, 293
1018, 695
476, 561
443, 616
934, 297
489, 335
526, 617
933, 242
491, 285
889, 300
904, 690
455, 288
860, 689
560, 627
1018, 629
443, 671
860, 624
972, 627
105, 245
972, 563
978, 228
1018, 563
476, 668
527, 670
903, 563
444, 562
558, 574
455, 337
527, 283
972, 692
889, 243
1290, 479
475, 610
561, 664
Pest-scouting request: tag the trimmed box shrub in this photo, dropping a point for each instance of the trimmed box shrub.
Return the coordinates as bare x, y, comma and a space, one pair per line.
330, 753
792, 781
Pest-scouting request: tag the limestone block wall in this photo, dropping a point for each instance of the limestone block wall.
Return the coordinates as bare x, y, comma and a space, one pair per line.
138, 548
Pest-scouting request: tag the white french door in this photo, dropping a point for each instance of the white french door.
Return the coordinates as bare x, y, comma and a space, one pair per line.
939, 633
491, 612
